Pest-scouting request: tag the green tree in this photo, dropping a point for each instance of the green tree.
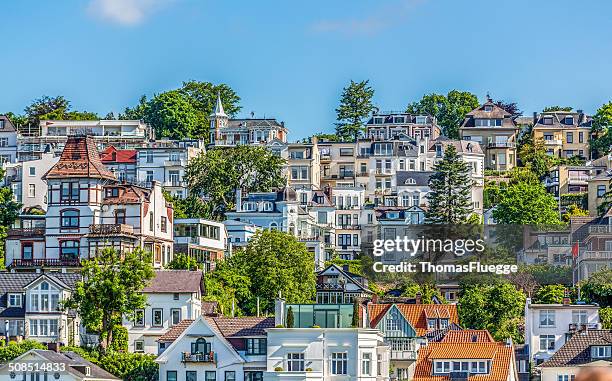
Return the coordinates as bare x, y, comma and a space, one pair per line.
602, 121
605, 316
172, 116
355, 106
532, 155
545, 274
557, 108
574, 211
183, 262
526, 204
451, 189
290, 318
228, 285
449, 110
13, 349
54, 108
429, 292
355, 319
9, 210
220, 172
497, 308
550, 294
112, 288
598, 288
191, 206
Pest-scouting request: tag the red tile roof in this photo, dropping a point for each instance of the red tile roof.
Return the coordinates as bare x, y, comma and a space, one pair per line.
241, 326
416, 314
80, 158
128, 194
174, 332
468, 335
114, 155
500, 354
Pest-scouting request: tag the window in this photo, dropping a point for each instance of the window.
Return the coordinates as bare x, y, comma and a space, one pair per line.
70, 191
192, 375
208, 376
579, 317
366, 364
569, 137
149, 156
443, 323
14, 300
442, 366
393, 323
120, 216
43, 327
253, 376
256, 346
149, 177
158, 317
70, 219
201, 346
69, 249
31, 190
601, 351
176, 316
295, 362
580, 137
164, 224
601, 190
547, 318
569, 120
151, 221
431, 324
112, 192
230, 375
27, 250
139, 318
32, 171
138, 346
175, 296
547, 342
566, 377
171, 375
339, 363
44, 298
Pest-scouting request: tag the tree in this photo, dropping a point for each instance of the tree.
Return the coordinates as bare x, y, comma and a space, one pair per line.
290, 318
598, 288
533, 156
183, 262
525, 204
219, 173
602, 121
355, 319
550, 294
510, 107
111, 289
228, 285
54, 108
497, 308
355, 106
574, 211
428, 292
172, 116
449, 110
548, 274
191, 206
557, 108
605, 316
451, 189
12, 350
9, 210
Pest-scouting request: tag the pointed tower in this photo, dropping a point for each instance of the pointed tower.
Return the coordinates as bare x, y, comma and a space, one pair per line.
218, 120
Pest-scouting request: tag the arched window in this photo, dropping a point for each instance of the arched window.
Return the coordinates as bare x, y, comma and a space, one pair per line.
70, 219
200, 346
273, 226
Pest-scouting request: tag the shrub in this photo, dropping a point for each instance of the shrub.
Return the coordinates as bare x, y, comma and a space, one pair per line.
278, 369
120, 339
130, 366
14, 350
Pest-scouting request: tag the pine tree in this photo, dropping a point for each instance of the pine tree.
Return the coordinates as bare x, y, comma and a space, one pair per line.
355, 320
290, 318
355, 106
451, 189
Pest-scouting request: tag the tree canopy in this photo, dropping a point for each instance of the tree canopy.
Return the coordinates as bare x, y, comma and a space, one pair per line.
355, 106
602, 121
550, 294
526, 204
557, 108
598, 288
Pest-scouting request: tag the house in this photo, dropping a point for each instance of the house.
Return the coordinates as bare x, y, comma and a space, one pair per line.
565, 133
338, 315
122, 162
390, 125
496, 131
216, 348
88, 210
67, 366
548, 326
203, 240
30, 307
8, 141
337, 285
239, 233
405, 327
268, 210
326, 354
304, 165
445, 361
172, 296
594, 248
585, 349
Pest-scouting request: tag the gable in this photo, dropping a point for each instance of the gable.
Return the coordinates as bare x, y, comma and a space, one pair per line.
393, 323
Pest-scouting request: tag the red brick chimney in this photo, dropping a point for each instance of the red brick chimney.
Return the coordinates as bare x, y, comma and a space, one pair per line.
418, 298
566, 297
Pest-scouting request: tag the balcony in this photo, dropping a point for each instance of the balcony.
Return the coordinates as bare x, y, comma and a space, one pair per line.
111, 229
501, 145
175, 163
595, 255
199, 357
599, 229
404, 355
26, 232
553, 142
175, 183
348, 227
383, 172
325, 157
46, 262
581, 326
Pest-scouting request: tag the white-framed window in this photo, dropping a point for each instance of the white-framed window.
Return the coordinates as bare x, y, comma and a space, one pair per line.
566, 377
579, 316
443, 323
295, 362
15, 300
43, 327
547, 342
393, 323
157, 317
442, 366
44, 298
601, 351
176, 316
431, 323
32, 171
547, 318
339, 363
31, 190
139, 346
366, 364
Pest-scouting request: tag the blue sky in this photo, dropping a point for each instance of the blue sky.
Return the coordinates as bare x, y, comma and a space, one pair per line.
290, 59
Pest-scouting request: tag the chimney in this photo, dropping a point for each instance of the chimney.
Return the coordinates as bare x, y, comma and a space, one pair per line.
279, 311
53, 347
375, 298
418, 298
535, 117
238, 200
345, 268
580, 112
566, 297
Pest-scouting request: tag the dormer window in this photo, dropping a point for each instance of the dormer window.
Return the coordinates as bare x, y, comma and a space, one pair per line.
473, 367
601, 351
112, 192
248, 206
378, 120
439, 150
547, 120
569, 120
410, 182
393, 323
421, 119
443, 323
488, 108
267, 207
432, 323
15, 300
398, 119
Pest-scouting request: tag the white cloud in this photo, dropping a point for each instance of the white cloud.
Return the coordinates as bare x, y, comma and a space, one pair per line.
124, 12
383, 18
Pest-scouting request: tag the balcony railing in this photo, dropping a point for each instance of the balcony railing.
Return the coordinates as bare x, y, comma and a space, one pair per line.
111, 229
46, 262
404, 355
175, 163
579, 326
26, 232
595, 255
594, 229
349, 227
199, 357
501, 145
175, 183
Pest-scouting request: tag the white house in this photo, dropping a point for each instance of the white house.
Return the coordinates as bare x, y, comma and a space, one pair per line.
203, 240
33, 187
239, 233
216, 348
268, 210
548, 326
326, 354
173, 295
8, 141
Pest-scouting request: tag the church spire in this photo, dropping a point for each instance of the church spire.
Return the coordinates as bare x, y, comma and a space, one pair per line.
218, 111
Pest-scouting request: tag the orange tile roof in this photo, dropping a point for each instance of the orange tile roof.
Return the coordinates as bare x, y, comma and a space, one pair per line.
502, 357
416, 314
174, 332
80, 158
114, 155
468, 335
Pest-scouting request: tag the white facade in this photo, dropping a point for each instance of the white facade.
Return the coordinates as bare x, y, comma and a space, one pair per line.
547, 326
326, 354
33, 188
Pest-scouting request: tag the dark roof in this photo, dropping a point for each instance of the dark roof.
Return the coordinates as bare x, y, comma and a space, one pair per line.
175, 281
579, 119
409, 118
242, 326
420, 178
174, 332
268, 122
210, 308
495, 113
80, 158
8, 125
577, 350
75, 364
